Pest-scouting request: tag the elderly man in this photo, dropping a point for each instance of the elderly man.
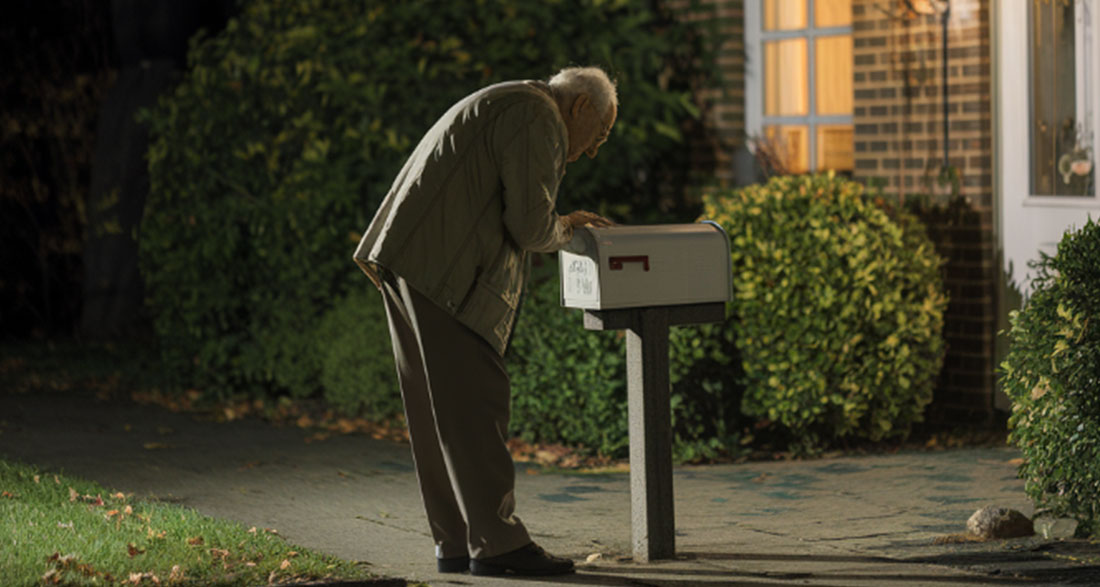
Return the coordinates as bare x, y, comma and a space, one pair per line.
448, 248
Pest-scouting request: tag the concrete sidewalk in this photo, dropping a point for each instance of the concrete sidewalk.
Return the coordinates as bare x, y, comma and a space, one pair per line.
844, 521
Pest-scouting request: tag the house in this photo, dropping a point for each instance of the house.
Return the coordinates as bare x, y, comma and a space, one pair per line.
896, 91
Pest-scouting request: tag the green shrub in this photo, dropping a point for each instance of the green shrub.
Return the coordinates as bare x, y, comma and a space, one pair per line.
569, 384
839, 308
1052, 375
270, 158
356, 359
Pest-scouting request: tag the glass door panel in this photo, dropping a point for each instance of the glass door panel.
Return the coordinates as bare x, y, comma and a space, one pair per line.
1061, 153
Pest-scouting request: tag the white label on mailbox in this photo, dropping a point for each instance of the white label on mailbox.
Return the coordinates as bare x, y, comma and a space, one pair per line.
580, 278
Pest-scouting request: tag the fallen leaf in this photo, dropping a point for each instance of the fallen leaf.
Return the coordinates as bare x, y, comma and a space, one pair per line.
252, 530
68, 525
73, 495
133, 550
128, 510
292, 554
176, 576
119, 495
137, 578
595, 556
110, 514
219, 553
7, 494
56, 480
250, 564
52, 577
284, 565
37, 478
195, 541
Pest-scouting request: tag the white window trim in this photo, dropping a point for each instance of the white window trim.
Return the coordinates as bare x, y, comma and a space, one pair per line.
755, 37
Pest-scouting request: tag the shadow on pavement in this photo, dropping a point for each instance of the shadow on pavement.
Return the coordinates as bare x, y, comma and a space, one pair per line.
1032, 565
659, 575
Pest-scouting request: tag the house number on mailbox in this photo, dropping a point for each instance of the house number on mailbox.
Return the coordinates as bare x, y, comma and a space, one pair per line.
580, 275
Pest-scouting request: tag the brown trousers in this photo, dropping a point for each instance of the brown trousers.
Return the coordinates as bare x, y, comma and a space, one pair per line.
457, 404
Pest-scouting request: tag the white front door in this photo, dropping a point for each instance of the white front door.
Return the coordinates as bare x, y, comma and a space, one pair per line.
1048, 106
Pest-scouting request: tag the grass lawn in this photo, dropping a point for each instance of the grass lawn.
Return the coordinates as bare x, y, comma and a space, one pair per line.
56, 529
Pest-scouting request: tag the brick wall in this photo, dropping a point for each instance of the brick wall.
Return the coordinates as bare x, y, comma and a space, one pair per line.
721, 98
899, 139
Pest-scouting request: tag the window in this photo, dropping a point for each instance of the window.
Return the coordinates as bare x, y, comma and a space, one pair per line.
800, 81
1061, 68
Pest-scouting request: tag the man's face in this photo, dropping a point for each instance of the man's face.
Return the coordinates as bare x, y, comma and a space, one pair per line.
587, 131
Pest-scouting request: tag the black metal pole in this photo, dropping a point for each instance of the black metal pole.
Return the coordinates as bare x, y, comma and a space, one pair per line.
946, 131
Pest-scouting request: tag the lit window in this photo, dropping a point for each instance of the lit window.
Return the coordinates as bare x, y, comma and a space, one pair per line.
801, 93
786, 81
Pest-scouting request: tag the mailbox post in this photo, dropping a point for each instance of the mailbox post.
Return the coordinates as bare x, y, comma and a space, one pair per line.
652, 514
614, 302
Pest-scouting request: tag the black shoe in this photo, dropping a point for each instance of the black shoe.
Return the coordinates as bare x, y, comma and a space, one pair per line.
531, 560
455, 564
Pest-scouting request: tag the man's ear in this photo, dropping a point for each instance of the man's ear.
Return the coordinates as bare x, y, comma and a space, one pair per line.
578, 104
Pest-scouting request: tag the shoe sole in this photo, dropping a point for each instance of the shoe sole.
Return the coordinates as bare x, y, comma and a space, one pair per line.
453, 565
481, 569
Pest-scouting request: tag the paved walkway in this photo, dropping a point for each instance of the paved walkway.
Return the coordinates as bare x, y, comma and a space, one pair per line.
845, 521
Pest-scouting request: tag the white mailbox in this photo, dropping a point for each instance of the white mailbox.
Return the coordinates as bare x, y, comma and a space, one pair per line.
639, 266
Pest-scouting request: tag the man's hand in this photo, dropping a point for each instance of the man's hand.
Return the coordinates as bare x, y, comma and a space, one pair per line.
583, 218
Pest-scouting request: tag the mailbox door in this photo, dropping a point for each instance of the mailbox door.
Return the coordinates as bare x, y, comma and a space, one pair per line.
580, 282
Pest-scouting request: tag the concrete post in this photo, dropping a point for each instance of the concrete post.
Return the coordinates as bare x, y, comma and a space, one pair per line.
653, 520
647, 388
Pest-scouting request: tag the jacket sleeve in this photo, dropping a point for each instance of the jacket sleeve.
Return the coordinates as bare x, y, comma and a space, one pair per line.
532, 163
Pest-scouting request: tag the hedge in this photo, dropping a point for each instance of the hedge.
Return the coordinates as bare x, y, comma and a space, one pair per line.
1052, 376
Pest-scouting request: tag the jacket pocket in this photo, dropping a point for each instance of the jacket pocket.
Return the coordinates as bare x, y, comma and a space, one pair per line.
486, 313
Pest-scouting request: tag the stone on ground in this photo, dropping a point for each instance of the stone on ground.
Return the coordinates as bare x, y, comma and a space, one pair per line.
992, 522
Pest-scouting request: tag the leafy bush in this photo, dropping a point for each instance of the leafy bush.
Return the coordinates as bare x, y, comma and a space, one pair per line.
356, 359
569, 384
839, 308
272, 155
1052, 375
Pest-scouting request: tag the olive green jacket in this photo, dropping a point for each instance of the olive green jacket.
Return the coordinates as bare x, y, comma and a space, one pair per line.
473, 199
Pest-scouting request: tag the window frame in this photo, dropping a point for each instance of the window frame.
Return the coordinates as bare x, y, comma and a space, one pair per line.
755, 37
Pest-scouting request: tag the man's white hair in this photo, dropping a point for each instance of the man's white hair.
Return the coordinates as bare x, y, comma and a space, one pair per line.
574, 81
